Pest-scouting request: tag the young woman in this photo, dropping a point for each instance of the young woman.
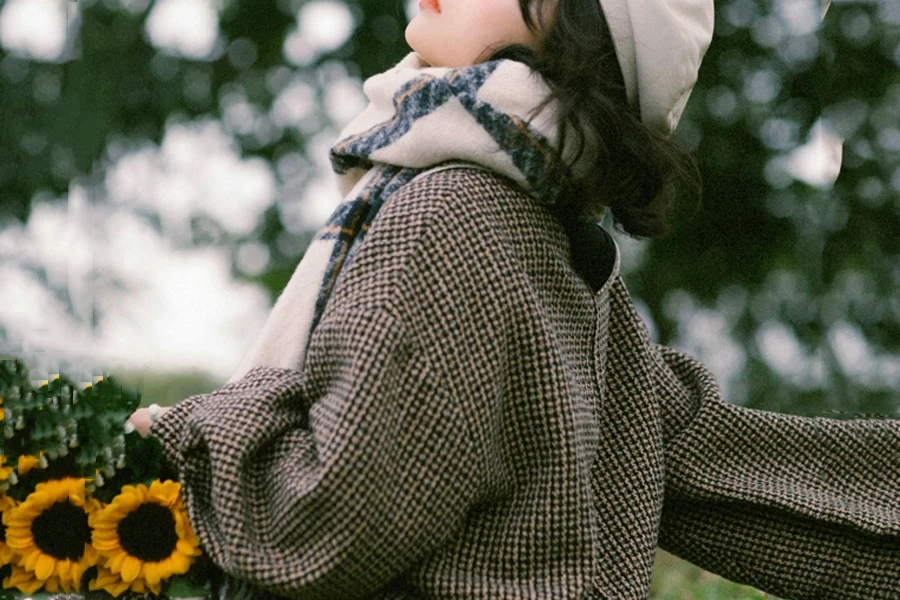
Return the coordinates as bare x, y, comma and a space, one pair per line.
454, 397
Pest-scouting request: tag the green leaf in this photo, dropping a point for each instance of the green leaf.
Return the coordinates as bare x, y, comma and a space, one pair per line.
182, 587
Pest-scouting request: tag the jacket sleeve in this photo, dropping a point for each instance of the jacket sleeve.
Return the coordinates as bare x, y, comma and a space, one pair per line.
310, 483
804, 508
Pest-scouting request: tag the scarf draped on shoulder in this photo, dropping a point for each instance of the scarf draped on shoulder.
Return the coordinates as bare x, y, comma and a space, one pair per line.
418, 118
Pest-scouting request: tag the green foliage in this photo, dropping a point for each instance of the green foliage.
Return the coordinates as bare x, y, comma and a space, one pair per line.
184, 587
76, 430
771, 250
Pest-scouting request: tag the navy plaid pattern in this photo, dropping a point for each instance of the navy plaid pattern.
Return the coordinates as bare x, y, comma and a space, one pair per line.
423, 96
347, 226
529, 150
475, 421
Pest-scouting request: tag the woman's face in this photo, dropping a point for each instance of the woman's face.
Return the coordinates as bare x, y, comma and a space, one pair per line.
458, 33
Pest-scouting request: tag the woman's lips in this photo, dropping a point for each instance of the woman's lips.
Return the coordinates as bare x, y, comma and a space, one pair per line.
433, 5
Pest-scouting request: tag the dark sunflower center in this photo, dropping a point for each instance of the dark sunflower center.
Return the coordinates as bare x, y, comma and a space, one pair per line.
148, 532
62, 531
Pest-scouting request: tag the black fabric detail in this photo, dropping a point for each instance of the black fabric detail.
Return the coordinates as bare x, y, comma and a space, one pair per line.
593, 251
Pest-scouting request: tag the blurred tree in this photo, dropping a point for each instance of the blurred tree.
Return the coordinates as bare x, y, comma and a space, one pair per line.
806, 274
784, 283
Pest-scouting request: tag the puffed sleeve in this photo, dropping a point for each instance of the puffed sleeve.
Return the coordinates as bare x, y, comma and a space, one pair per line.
311, 484
804, 508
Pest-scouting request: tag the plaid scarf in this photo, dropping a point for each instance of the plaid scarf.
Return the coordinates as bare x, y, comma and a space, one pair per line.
418, 118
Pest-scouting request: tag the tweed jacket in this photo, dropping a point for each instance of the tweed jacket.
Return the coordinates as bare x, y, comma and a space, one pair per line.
477, 418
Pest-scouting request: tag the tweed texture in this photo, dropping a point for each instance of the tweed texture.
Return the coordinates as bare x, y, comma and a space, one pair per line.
475, 421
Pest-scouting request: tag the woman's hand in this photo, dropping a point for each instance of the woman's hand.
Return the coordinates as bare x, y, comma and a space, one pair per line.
141, 420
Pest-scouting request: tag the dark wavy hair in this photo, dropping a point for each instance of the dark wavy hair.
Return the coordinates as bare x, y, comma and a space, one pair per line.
638, 173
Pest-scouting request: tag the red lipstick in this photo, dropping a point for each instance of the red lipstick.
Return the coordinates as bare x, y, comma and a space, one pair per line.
432, 5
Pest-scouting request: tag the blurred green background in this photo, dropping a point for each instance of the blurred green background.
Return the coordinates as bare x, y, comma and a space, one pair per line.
115, 116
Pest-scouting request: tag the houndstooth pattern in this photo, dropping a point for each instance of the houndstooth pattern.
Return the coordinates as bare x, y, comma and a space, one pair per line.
474, 421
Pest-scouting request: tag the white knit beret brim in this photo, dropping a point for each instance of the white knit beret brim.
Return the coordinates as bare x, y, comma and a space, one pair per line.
660, 45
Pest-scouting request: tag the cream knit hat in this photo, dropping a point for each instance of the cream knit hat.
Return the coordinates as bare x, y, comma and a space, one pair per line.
659, 44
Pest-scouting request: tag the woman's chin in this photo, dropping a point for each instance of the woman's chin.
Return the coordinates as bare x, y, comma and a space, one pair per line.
424, 57
424, 44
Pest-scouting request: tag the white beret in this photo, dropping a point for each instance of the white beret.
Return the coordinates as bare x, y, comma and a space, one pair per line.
660, 44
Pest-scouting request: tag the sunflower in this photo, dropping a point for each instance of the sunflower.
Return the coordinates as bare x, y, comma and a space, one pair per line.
143, 537
28, 462
49, 537
5, 471
6, 503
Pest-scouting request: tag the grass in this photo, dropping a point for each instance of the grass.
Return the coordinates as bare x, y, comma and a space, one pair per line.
675, 579
166, 389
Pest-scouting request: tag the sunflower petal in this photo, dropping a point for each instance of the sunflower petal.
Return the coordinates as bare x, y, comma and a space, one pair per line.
152, 573
105, 521
40, 498
62, 568
131, 568
115, 563
109, 582
44, 567
89, 558
30, 587
180, 563
106, 545
185, 548
26, 509
31, 560
23, 581
165, 492
21, 518
118, 589
26, 463
20, 543
18, 576
104, 577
